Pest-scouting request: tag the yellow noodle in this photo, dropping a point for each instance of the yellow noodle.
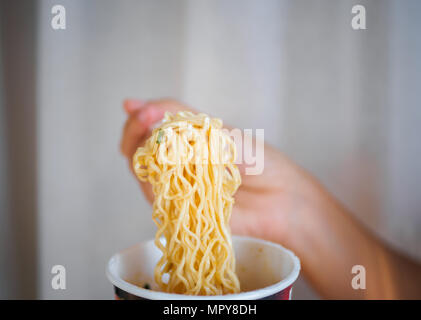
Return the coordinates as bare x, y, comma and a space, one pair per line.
189, 161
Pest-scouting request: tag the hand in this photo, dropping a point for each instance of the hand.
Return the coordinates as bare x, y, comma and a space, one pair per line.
263, 203
287, 205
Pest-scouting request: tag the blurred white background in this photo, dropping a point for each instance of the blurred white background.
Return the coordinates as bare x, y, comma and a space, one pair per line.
344, 104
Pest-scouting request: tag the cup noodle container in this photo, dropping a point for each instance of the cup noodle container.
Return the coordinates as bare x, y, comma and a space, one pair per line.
266, 271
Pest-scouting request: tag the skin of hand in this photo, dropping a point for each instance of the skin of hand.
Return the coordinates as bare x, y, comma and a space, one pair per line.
287, 205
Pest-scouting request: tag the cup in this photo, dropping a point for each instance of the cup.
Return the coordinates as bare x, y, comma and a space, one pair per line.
266, 270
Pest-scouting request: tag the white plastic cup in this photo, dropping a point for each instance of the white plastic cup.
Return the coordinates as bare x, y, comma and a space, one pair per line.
266, 271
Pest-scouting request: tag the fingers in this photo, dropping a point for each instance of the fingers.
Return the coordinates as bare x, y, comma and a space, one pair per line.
134, 130
132, 105
142, 116
170, 105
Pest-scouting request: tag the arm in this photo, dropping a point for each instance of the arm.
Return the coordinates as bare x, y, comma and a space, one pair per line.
287, 205
330, 242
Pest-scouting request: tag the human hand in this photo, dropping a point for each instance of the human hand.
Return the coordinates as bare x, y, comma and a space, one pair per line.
287, 205
263, 203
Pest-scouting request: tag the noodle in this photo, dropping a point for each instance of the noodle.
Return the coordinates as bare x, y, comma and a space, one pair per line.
189, 160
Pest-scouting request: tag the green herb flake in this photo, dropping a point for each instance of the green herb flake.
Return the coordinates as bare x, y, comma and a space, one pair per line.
160, 134
147, 286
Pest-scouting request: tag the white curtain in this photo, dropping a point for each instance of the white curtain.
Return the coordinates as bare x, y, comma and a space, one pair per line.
342, 103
